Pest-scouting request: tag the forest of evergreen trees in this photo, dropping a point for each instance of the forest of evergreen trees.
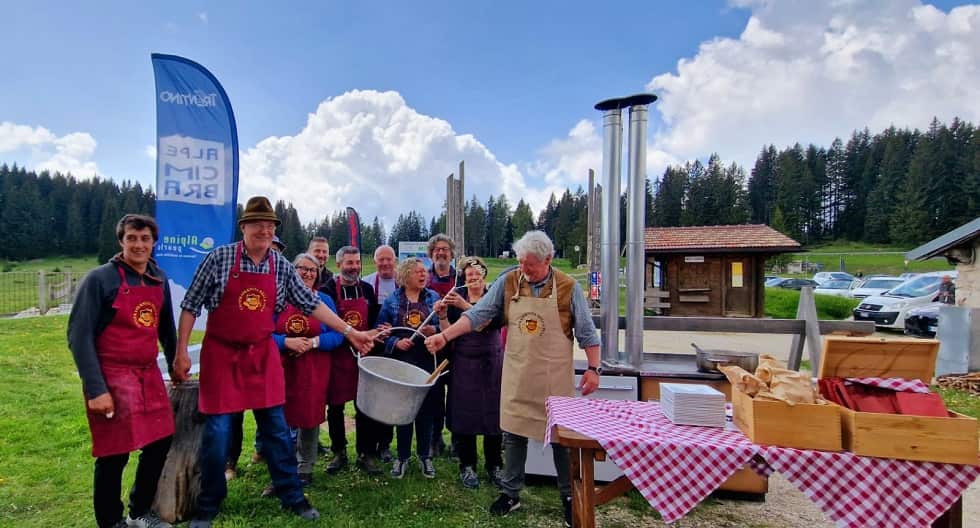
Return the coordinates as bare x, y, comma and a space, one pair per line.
900, 187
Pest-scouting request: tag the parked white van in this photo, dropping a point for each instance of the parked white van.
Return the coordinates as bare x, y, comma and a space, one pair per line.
889, 309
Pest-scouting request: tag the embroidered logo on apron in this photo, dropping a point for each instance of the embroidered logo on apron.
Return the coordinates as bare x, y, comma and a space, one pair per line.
530, 323
145, 314
252, 299
297, 324
413, 318
353, 319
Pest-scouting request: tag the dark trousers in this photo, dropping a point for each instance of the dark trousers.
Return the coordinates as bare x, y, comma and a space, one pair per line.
336, 428
277, 448
369, 432
466, 450
439, 411
422, 427
515, 456
235, 440
108, 483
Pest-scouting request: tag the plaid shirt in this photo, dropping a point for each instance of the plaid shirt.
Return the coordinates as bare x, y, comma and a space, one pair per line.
211, 276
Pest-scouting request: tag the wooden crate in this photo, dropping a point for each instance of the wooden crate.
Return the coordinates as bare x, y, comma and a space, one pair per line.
951, 440
803, 426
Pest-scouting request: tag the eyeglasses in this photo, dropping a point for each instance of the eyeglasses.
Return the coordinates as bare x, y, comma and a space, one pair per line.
305, 269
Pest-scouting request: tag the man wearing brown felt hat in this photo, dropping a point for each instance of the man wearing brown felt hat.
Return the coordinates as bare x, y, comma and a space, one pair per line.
243, 285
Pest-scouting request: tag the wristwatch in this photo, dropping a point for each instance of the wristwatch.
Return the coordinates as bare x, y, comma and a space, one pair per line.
348, 330
597, 370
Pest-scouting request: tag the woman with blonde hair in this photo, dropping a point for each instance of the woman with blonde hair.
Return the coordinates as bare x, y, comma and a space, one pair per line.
408, 307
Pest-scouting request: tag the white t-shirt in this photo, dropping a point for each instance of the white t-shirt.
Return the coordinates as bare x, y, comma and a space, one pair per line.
382, 287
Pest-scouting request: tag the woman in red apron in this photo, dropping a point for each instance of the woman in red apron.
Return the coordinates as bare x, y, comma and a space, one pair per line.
128, 407
304, 344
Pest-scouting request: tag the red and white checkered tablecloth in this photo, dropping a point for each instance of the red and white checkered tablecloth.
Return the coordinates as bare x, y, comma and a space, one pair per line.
857, 491
674, 467
895, 384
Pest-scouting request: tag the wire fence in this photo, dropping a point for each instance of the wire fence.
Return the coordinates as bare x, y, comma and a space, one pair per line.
37, 292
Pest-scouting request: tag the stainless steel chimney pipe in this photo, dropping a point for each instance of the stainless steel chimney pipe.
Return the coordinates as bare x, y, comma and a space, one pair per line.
612, 144
636, 203
635, 227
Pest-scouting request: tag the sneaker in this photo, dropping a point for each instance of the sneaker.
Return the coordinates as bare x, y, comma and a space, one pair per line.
469, 479
399, 468
368, 464
566, 504
504, 504
305, 510
496, 475
269, 491
428, 468
337, 464
386, 456
147, 520
120, 524
306, 479
200, 523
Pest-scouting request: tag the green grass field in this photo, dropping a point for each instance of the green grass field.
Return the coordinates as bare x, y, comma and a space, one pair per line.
46, 467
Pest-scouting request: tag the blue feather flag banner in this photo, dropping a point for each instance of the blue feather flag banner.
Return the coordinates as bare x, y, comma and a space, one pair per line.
197, 168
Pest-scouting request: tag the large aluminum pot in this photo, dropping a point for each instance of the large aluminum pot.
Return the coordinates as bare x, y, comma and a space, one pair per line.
709, 360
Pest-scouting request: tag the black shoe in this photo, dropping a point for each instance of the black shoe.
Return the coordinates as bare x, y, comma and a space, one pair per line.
306, 479
305, 510
428, 468
566, 504
496, 475
468, 477
338, 463
504, 505
368, 464
386, 456
321, 449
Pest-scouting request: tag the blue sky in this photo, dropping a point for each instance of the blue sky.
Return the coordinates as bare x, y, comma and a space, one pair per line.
507, 86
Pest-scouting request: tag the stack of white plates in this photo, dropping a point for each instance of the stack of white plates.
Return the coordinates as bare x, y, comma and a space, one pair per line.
689, 404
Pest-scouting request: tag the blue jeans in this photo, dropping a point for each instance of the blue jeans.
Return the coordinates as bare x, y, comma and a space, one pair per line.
278, 449
423, 436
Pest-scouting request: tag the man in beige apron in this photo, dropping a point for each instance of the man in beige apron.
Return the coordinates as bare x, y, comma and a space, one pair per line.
544, 308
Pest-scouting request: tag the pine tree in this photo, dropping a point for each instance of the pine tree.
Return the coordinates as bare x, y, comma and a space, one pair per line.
108, 243
522, 220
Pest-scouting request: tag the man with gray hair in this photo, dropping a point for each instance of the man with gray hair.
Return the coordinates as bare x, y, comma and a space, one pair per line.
442, 279
543, 308
358, 306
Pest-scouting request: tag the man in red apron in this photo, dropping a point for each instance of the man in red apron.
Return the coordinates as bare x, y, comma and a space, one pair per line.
243, 285
442, 278
544, 308
122, 309
356, 303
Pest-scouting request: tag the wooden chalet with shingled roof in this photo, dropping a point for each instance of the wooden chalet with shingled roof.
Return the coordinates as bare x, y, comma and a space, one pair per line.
711, 270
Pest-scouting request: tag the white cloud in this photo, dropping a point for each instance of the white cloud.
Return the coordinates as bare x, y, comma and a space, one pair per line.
811, 71
70, 153
370, 150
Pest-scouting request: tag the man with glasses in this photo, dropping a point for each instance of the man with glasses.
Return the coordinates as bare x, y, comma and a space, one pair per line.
357, 304
442, 278
243, 285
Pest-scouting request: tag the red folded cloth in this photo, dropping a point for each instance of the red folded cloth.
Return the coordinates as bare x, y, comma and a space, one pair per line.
872, 399
918, 404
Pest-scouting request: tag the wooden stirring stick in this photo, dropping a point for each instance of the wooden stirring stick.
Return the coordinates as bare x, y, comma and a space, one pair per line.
435, 373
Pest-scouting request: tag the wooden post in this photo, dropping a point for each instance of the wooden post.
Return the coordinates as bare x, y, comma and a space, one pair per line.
42, 292
807, 312
180, 482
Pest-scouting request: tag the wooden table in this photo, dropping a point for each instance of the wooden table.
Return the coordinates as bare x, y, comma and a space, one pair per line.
586, 495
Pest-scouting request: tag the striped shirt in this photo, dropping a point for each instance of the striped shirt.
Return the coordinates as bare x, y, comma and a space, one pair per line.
211, 276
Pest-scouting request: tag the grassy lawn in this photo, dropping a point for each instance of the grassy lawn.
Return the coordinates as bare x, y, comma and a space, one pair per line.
782, 303
46, 469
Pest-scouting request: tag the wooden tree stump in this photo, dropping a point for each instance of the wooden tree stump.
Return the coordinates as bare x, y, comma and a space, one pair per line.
180, 482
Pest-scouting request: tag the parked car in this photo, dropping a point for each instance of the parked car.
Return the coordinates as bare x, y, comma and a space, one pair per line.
908, 276
875, 286
890, 309
795, 284
772, 281
825, 276
837, 288
923, 321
